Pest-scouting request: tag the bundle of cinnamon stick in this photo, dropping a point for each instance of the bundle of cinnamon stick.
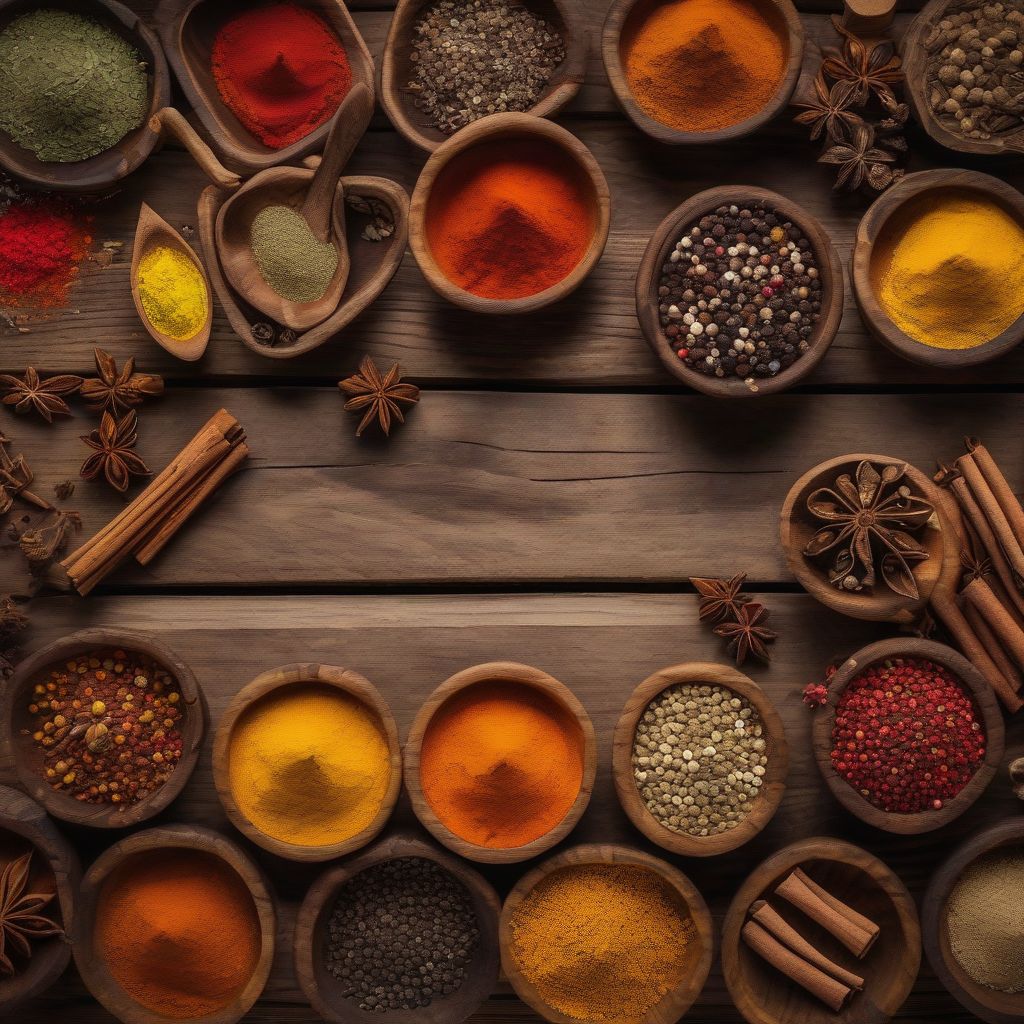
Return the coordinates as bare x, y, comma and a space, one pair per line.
155, 516
776, 941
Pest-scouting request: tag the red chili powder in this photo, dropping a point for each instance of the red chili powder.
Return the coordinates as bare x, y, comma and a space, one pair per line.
281, 71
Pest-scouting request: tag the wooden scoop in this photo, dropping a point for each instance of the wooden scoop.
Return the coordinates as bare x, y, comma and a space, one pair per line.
313, 194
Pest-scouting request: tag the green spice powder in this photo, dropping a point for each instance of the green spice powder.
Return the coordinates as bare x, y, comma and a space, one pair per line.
69, 86
292, 260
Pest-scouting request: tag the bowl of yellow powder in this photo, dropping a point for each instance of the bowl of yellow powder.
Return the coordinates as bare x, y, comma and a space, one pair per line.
938, 268
606, 933
500, 762
307, 761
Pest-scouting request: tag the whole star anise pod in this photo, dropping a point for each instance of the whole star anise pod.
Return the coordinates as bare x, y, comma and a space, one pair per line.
381, 396
43, 396
746, 636
874, 70
856, 158
21, 922
720, 599
832, 112
118, 392
113, 455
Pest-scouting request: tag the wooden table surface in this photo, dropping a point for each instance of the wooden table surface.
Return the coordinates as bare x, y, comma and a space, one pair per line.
545, 503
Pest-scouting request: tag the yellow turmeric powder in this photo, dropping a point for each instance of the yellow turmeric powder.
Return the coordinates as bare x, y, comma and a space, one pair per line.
309, 765
173, 293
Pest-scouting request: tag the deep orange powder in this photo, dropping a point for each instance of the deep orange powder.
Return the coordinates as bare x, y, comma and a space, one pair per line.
509, 220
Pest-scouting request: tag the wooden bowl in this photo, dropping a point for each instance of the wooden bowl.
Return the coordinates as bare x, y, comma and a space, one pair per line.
25, 822
626, 16
676, 1002
105, 169
18, 748
303, 675
187, 29
395, 68
503, 672
765, 996
90, 964
326, 993
973, 682
761, 810
982, 1002
797, 526
502, 128
664, 240
877, 235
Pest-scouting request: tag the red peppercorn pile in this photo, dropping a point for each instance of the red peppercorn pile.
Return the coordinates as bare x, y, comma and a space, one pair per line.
107, 725
907, 735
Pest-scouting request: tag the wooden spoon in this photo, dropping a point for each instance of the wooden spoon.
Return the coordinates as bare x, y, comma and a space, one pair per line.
316, 197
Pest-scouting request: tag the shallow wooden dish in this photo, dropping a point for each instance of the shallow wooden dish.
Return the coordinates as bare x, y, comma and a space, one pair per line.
762, 809
626, 16
797, 526
507, 672
187, 29
324, 991
348, 682
19, 749
873, 245
488, 130
395, 67
973, 681
23, 819
984, 1003
91, 966
676, 1002
664, 240
765, 996
103, 170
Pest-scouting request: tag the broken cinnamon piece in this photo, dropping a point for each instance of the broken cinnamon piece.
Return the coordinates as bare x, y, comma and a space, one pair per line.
839, 922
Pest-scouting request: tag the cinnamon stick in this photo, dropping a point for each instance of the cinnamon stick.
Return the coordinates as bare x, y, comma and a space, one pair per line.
999, 620
999, 486
997, 519
856, 938
991, 643
862, 922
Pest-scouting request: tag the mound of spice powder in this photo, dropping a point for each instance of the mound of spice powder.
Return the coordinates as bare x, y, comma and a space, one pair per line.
907, 735
289, 257
173, 292
281, 70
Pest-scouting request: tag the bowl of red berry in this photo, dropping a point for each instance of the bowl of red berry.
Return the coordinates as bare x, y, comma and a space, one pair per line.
909, 736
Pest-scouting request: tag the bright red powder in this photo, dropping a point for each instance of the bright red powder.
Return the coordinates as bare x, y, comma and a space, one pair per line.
281, 71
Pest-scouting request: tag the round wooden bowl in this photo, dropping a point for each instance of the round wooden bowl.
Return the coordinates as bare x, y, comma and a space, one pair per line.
981, 1001
303, 675
105, 169
503, 672
22, 819
676, 1002
326, 993
396, 65
974, 683
765, 996
761, 810
17, 747
502, 128
877, 234
626, 16
797, 526
93, 969
188, 28
664, 240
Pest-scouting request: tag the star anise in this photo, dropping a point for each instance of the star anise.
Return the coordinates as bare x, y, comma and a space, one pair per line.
113, 455
380, 396
867, 518
856, 158
874, 70
118, 392
21, 922
831, 112
15, 478
720, 599
43, 396
745, 636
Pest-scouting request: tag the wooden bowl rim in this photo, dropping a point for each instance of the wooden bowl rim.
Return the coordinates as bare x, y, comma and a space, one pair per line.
909, 189
488, 130
508, 672
320, 899
98, 979
615, 21
675, 1003
663, 241
762, 809
789, 857
306, 674
970, 678
96, 816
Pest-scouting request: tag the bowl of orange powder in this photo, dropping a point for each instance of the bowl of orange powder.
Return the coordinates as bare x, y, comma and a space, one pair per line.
500, 762
509, 215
